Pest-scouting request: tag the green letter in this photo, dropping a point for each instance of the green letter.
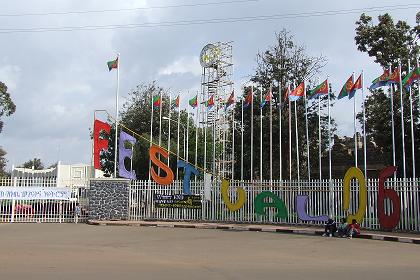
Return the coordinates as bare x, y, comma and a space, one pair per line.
277, 202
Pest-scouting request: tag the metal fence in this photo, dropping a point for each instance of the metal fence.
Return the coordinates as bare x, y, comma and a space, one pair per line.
45, 210
323, 200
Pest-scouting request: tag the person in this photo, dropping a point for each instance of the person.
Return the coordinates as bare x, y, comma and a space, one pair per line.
330, 228
354, 229
77, 213
343, 228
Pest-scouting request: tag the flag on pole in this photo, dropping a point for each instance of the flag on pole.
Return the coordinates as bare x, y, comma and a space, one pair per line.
286, 94
320, 89
357, 85
193, 102
156, 101
411, 77
175, 103
381, 80
267, 99
230, 101
248, 100
112, 64
394, 78
209, 103
347, 88
298, 92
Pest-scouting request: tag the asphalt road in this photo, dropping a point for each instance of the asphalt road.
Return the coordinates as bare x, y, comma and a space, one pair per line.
69, 251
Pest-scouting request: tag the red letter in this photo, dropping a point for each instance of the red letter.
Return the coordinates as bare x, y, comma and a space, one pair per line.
391, 221
99, 144
169, 178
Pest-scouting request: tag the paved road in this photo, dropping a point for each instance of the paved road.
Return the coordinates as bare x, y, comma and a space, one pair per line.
69, 251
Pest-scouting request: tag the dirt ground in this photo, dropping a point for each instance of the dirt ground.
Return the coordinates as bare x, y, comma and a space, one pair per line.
70, 251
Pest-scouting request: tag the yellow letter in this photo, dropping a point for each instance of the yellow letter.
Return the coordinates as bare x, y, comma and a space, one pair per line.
225, 196
354, 172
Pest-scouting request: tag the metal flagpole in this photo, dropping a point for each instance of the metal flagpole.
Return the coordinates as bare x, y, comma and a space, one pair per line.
151, 133
329, 137
364, 124
177, 134
242, 141
271, 137
160, 124
307, 132
188, 133
319, 136
297, 143
252, 132
412, 128
116, 115
354, 125
280, 121
196, 131
261, 134
169, 127
392, 119
290, 135
233, 141
402, 119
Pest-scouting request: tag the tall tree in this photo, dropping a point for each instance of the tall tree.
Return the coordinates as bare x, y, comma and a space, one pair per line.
387, 42
7, 107
35, 163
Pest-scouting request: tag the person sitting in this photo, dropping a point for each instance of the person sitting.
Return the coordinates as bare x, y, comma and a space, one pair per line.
343, 228
354, 229
330, 228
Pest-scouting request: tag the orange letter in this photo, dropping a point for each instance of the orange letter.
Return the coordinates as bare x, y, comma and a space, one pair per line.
169, 178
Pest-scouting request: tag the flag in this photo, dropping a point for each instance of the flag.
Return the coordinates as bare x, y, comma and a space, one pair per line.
380, 81
112, 64
286, 94
320, 89
156, 101
248, 100
267, 99
193, 102
230, 101
394, 78
357, 85
411, 77
209, 103
347, 88
298, 92
175, 103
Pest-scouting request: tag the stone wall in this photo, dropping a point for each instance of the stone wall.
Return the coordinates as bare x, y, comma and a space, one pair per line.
108, 199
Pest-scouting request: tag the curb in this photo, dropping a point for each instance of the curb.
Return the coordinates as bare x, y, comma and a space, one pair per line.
254, 228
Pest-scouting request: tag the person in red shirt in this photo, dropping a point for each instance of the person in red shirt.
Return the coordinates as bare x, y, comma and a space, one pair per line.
354, 229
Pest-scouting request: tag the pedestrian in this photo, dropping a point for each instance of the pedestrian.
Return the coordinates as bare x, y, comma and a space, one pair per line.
354, 229
343, 228
330, 228
77, 212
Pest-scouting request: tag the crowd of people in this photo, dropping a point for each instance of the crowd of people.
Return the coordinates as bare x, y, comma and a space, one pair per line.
344, 229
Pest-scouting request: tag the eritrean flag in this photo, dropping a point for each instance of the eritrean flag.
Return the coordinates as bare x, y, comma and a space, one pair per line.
230, 101
357, 85
175, 103
298, 92
248, 99
380, 81
320, 89
411, 77
266, 100
394, 78
209, 103
156, 101
112, 64
347, 88
193, 102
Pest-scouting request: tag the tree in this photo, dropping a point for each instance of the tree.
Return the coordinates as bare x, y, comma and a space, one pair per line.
387, 42
7, 107
36, 163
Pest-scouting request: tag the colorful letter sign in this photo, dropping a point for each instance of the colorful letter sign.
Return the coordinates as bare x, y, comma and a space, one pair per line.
188, 169
99, 144
388, 221
301, 202
226, 199
169, 178
125, 153
277, 202
354, 172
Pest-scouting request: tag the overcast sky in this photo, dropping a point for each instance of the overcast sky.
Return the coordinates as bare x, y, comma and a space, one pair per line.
57, 79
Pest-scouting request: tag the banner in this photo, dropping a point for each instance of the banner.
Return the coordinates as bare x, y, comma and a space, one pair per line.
35, 193
177, 201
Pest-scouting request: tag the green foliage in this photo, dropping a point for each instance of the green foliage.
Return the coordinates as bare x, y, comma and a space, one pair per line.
7, 107
36, 163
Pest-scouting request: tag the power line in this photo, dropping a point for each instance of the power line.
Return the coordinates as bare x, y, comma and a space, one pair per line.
207, 21
129, 9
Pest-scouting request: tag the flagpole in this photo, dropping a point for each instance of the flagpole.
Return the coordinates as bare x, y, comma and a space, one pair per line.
402, 119
307, 131
319, 137
290, 136
233, 141
160, 123
252, 132
354, 125
261, 135
271, 137
364, 124
177, 134
188, 133
329, 155
392, 119
297, 143
196, 132
116, 115
169, 128
242, 141
412, 128
280, 134
151, 133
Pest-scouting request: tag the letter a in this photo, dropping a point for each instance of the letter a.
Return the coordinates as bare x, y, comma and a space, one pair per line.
278, 203
169, 178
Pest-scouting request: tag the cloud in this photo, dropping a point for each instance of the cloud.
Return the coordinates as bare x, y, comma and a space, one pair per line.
9, 75
183, 65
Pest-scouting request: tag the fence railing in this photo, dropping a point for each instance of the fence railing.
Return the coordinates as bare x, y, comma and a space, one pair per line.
324, 199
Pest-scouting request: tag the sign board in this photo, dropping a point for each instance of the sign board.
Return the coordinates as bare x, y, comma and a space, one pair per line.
35, 193
177, 201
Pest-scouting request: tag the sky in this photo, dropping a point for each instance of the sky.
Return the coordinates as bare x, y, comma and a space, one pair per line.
57, 79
